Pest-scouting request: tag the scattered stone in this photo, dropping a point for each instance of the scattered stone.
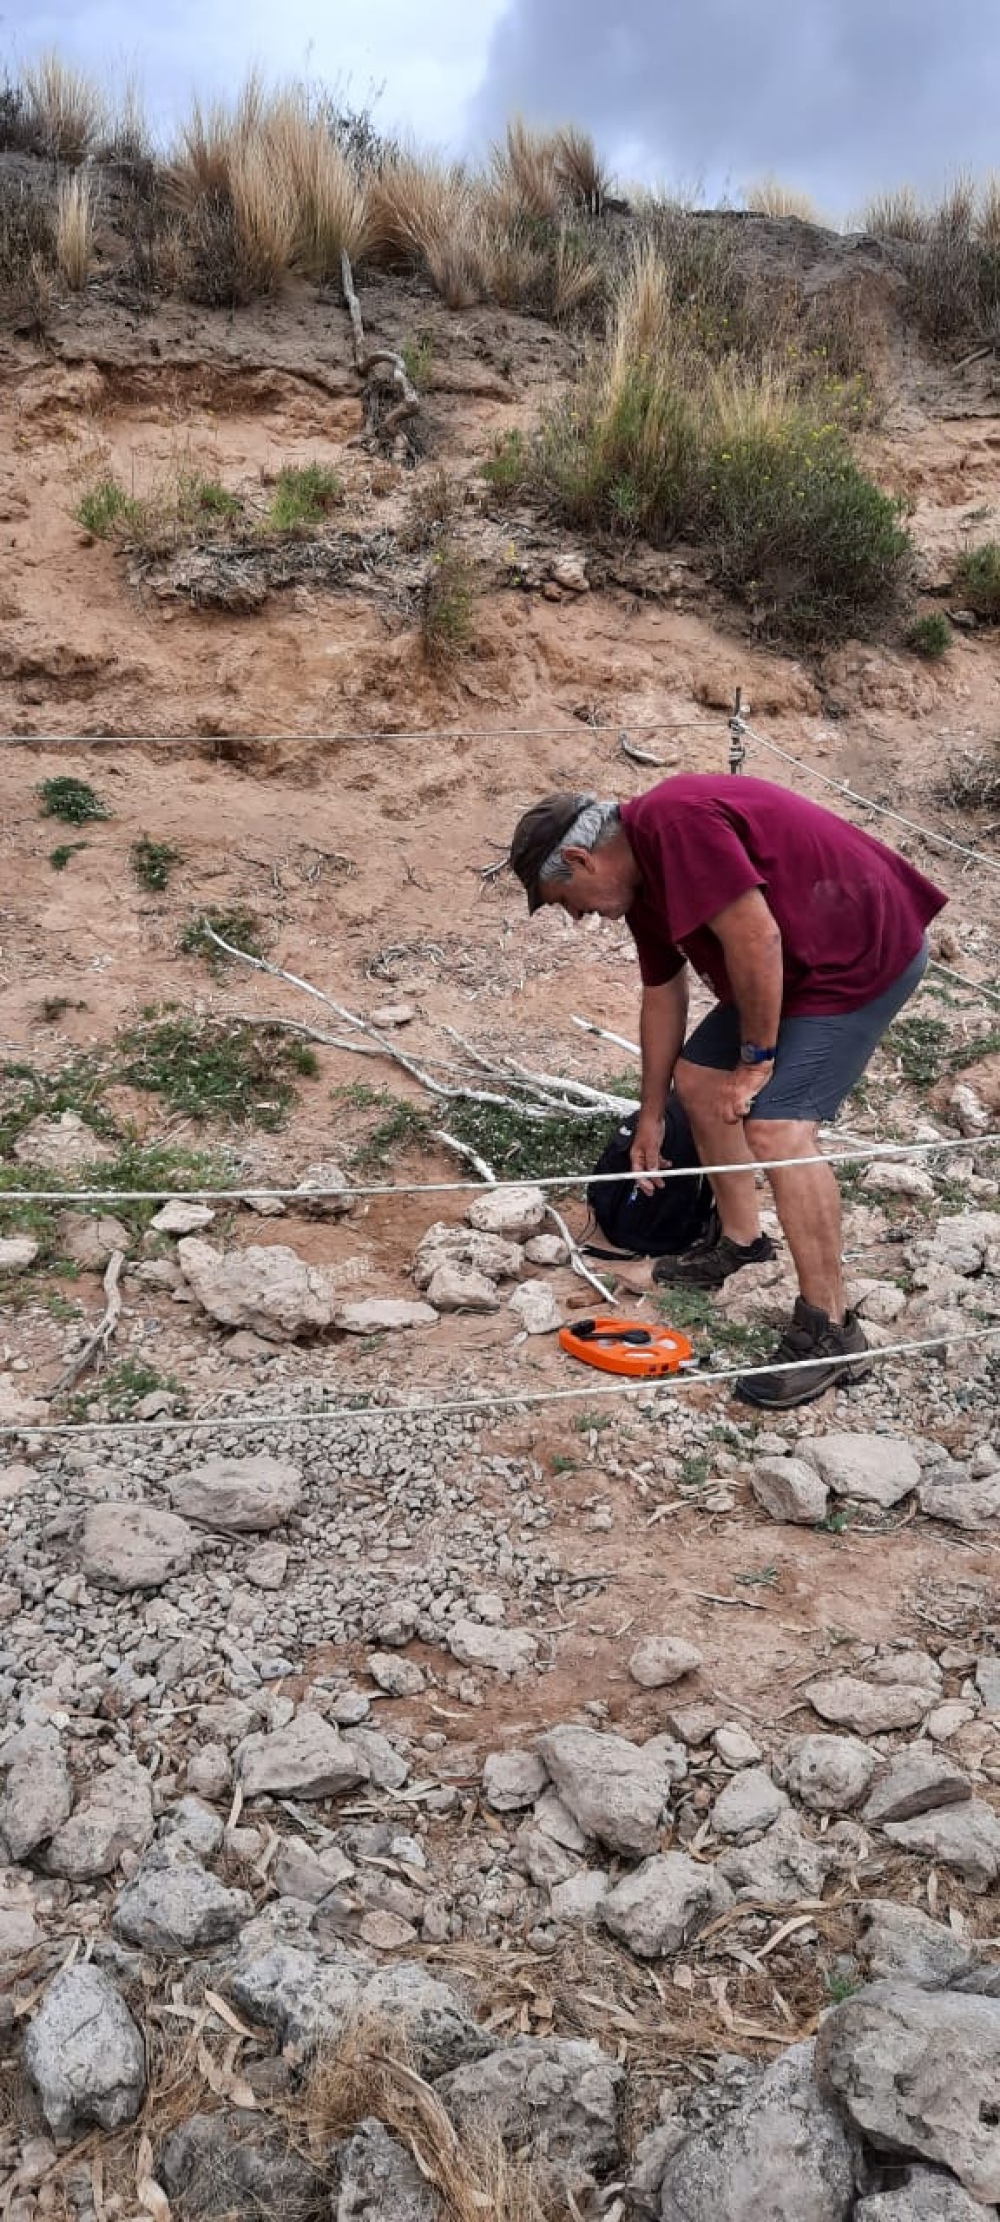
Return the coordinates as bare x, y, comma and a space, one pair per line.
788, 1489
971, 1115
61, 1145
513, 1780
829, 1773
750, 1803
898, 1941
168, 1908
781, 1867
946, 1720
887, 1178
239, 1496
919, 1780
557, 2096
662, 1660
535, 1306
270, 1290
209, 1771
195, 1826
91, 1242
114, 1816
503, 1650
302, 1872
871, 1709
14, 1480
17, 1253
546, 1249
324, 1192
616, 1791
926, 2196
918, 2072
181, 1217
469, 1251
882, 1304
383, 1315
873, 1469
988, 1683
386, 1932
555, 1820
735, 1747
694, 1724
460, 1288
515, 1213
397, 1677
393, 1014
85, 2055
783, 2155
387, 1768
950, 1493
581, 1896
965, 1837
132, 1546
37, 1794
663, 1903
308, 1759
375, 2177
233, 2162
266, 1567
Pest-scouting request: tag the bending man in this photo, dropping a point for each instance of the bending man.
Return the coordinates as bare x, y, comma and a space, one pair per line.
811, 936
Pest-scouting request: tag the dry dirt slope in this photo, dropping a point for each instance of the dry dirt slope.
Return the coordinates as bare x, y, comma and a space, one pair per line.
372, 1578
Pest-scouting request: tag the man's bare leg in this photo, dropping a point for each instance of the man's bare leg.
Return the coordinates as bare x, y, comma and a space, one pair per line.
720, 1142
807, 1199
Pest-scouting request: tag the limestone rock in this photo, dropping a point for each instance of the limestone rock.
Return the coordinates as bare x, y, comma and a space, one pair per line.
536, 1308
489, 1254
873, 1469
85, 2055
788, 1489
323, 1192
555, 1820
17, 1253
397, 1677
784, 2154
546, 1249
37, 1794
896, 1940
615, 1790
239, 1496
750, 1803
191, 1826
383, 1315
965, 1837
114, 1815
581, 1896
660, 1661
268, 1289
302, 1872
951, 1493
735, 1747
230, 2162
133, 1546
61, 1145
926, 2196
503, 1650
882, 2054
308, 1759
387, 1768
960, 1243
829, 1773
514, 1213
781, 1867
209, 1771
267, 1566
988, 1683
869, 1708
460, 1288
181, 1217
558, 2096
663, 1903
888, 1178
375, 2177
170, 1909
513, 1780
919, 1780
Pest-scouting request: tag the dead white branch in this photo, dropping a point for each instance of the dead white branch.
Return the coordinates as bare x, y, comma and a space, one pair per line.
576, 1257
640, 755
97, 1343
378, 366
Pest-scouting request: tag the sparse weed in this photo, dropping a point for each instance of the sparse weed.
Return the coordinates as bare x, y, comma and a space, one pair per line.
447, 605
404, 1127
930, 637
767, 196
972, 781
218, 1068
919, 1046
104, 508
304, 493
27, 241
63, 854
977, 580
418, 358
72, 800
510, 469
152, 862
241, 928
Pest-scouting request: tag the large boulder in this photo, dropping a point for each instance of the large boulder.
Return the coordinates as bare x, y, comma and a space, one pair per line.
85, 2054
926, 2196
269, 1289
895, 1940
133, 1546
559, 2097
37, 1793
784, 2155
662, 1904
310, 2002
239, 1496
308, 1759
918, 2072
114, 1815
615, 1790
233, 2162
874, 1469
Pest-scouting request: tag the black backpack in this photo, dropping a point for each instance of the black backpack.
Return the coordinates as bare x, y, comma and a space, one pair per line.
677, 1214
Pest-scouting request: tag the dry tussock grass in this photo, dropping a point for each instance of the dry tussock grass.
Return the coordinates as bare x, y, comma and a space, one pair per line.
75, 216
331, 210
526, 173
67, 110
896, 214
768, 196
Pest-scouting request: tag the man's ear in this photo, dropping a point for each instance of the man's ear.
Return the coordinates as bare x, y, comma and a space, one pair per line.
578, 859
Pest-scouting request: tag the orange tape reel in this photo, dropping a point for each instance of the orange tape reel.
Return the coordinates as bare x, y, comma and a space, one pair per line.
629, 1346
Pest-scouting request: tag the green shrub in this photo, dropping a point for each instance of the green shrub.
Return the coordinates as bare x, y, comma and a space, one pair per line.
511, 468
303, 494
930, 636
218, 1068
205, 500
61, 856
418, 357
105, 507
977, 577
152, 862
239, 927
447, 604
72, 800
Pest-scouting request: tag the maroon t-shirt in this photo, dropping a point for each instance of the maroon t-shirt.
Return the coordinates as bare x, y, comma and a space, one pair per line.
852, 913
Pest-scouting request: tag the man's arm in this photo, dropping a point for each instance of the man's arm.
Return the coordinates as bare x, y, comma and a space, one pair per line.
661, 1034
751, 943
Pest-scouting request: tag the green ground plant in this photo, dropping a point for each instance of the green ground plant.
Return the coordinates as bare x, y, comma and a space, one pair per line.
447, 604
105, 508
930, 637
63, 854
218, 1069
977, 580
72, 800
920, 1047
304, 493
152, 862
240, 927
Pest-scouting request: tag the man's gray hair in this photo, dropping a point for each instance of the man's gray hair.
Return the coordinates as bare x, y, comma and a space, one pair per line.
597, 822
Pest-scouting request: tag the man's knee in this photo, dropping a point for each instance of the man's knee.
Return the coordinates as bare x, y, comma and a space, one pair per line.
691, 1083
774, 1139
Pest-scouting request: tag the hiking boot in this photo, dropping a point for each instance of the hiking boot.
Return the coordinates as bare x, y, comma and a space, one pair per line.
811, 1335
709, 1263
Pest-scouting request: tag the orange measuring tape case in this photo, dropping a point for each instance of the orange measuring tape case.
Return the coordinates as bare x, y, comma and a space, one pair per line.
627, 1346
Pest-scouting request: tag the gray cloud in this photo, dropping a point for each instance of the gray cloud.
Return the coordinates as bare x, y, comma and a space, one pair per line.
837, 96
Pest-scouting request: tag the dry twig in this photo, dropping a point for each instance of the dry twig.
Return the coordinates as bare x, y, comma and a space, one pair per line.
97, 1343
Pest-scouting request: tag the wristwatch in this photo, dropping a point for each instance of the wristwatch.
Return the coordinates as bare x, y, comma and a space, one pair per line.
750, 1054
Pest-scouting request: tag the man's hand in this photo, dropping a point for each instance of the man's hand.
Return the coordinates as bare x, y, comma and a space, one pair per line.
646, 1146
733, 1093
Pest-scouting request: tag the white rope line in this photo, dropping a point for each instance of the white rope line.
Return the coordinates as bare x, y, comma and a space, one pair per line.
427, 733
877, 1150
864, 802
335, 1413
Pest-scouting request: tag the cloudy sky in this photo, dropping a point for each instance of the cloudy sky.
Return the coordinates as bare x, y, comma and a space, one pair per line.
838, 97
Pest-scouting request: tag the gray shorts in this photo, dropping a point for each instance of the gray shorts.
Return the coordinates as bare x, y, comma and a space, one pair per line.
819, 1059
